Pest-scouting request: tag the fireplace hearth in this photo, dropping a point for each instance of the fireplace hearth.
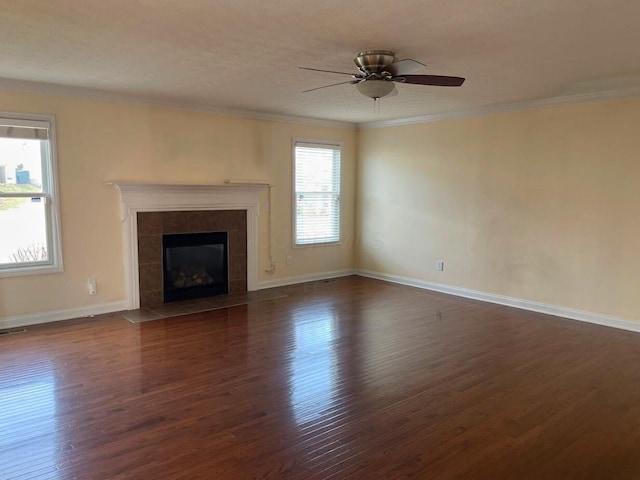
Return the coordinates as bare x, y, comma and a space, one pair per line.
194, 265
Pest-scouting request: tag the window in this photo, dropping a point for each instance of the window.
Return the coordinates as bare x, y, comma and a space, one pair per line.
317, 193
29, 228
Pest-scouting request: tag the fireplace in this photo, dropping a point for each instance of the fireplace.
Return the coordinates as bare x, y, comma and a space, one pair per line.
149, 211
194, 265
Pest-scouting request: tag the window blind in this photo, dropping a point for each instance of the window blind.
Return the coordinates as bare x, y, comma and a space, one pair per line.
317, 193
24, 129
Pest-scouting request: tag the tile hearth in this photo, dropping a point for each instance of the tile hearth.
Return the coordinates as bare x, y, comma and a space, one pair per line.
175, 309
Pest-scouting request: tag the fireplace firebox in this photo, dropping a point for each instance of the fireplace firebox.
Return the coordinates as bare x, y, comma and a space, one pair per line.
195, 265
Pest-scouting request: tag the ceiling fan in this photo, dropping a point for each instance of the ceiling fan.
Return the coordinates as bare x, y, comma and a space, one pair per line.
378, 70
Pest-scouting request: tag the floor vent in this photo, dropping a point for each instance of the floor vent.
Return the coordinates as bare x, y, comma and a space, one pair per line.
12, 331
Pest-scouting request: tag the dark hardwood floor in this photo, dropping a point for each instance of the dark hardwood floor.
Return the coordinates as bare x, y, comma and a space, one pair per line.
351, 378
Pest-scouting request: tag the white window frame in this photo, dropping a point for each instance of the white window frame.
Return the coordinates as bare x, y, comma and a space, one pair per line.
319, 144
49, 194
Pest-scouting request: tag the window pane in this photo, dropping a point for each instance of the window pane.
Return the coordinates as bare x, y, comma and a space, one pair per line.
29, 232
20, 165
315, 170
317, 188
317, 219
24, 232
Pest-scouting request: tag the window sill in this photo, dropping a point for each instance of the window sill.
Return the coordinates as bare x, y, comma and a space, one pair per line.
316, 245
35, 270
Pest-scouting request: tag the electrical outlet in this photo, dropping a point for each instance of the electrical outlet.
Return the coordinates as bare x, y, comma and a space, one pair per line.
440, 265
92, 286
289, 260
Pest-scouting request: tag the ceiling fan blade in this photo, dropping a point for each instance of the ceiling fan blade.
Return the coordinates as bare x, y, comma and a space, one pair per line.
404, 67
435, 80
327, 86
326, 71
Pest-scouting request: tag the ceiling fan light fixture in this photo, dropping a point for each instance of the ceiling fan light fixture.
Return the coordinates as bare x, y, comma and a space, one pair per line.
375, 88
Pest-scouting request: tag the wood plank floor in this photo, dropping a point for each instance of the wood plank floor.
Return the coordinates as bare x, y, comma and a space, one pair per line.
352, 378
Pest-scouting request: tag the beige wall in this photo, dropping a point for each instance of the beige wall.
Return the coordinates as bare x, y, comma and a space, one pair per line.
540, 205
100, 141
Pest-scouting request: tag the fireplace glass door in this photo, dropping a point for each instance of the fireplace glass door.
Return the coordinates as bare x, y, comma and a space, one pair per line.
195, 265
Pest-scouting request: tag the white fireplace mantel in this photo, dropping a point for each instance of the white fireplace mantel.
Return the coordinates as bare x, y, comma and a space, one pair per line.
164, 198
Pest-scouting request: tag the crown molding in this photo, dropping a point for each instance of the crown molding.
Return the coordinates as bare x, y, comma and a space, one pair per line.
25, 86
617, 94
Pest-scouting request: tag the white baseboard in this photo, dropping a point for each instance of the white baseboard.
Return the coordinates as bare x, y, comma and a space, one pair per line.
583, 316
312, 277
64, 314
573, 314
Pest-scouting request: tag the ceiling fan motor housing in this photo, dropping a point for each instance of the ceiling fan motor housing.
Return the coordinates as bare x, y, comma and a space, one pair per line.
374, 61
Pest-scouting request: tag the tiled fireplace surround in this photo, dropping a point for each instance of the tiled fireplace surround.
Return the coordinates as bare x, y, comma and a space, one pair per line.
149, 210
153, 225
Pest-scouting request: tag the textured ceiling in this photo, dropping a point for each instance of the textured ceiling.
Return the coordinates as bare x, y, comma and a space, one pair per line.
244, 54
